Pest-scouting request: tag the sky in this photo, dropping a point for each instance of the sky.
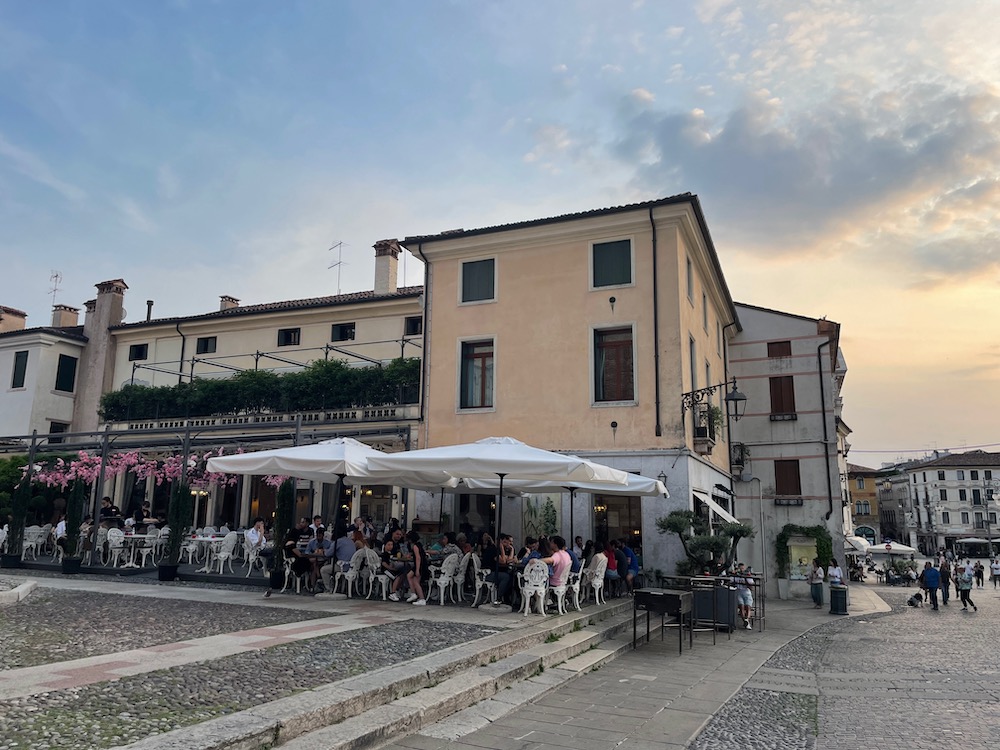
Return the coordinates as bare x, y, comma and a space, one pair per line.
845, 154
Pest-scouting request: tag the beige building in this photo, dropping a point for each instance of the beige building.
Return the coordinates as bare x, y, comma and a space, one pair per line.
580, 333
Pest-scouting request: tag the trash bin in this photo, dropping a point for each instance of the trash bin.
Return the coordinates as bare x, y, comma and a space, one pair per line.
838, 600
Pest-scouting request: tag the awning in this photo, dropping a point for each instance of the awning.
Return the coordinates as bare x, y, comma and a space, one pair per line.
855, 545
717, 509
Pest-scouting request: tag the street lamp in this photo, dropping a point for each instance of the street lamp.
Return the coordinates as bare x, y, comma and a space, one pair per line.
736, 402
989, 488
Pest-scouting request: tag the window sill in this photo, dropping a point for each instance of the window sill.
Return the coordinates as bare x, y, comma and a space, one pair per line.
465, 303
605, 404
475, 409
604, 287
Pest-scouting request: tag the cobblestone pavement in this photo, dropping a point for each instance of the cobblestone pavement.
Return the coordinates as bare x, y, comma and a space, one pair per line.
906, 680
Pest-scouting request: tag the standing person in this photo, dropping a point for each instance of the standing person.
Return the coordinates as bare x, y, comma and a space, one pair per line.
977, 572
931, 580
815, 579
419, 573
995, 572
744, 598
945, 572
834, 574
964, 585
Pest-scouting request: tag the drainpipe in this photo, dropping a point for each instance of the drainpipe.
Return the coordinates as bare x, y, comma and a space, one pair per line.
729, 421
180, 365
826, 432
426, 317
656, 329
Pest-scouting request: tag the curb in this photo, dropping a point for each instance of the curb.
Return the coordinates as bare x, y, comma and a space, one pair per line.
18, 593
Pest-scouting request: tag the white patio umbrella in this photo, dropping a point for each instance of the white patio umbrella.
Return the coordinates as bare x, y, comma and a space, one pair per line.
636, 485
856, 545
891, 548
502, 458
340, 460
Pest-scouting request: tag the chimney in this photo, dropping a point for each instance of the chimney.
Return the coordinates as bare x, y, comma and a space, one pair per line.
11, 319
228, 303
386, 261
149, 310
64, 316
97, 362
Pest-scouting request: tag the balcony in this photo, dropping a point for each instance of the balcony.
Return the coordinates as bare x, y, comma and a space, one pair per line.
704, 430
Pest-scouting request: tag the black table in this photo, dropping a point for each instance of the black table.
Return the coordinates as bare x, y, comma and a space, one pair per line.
673, 602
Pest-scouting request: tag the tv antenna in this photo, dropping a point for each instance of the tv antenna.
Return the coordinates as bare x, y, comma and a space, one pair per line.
340, 262
55, 278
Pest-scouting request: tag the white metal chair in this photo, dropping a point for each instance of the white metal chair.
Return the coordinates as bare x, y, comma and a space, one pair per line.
226, 551
443, 578
458, 583
534, 584
161, 544
3, 539
252, 556
291, 576
32, 540
573, 586
593, 582
480, 573
116, 547
558, 591
370, 570
191, 549
384, 580
351, 575
147, 547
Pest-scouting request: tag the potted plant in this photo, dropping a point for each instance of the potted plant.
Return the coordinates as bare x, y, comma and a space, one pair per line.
71, 561
15, 534
179, 516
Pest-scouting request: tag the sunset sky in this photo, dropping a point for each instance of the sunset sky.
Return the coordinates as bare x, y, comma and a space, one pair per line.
845, 153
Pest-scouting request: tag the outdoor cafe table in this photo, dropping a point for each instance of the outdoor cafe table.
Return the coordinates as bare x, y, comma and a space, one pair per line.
131, 542
673, 602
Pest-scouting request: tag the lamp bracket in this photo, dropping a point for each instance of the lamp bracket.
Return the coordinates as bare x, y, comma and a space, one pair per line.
691, 399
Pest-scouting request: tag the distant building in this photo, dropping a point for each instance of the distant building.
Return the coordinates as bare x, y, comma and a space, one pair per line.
863, 501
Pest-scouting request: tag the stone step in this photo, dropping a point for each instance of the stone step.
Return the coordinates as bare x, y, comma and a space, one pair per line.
411, 692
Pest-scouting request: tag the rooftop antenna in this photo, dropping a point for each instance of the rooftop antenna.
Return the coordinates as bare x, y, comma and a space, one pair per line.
55, 278
339, 247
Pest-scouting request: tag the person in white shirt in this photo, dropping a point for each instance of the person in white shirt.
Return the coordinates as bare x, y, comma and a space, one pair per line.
834, 574
995, 572
578, 547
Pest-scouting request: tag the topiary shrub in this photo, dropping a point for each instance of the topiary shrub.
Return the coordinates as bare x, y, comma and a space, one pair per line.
703, 549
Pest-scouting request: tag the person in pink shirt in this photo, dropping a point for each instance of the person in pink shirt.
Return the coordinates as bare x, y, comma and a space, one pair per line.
559, 560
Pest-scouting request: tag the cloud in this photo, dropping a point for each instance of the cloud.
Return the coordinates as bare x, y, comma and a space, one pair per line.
674, 32
30, 166
560, 68
133, 216
643, 96
167, 182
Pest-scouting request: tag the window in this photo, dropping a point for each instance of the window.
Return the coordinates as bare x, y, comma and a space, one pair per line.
945, 517
205, 345
612, 263
55, 429
940, 476
862, 508
977, 519
987, 474
962, 497
944, 495
925, 475
779, 348
692, 354
66, 373
977, 497
478, 280
993, 517
786, 478
860, 483
782, 398
342, 332
974, 475
690, 281
704, 311
289, 336
614, 377
477, 375
413, 326
718, 337
965, 517
20, 369
960, 475
138, 352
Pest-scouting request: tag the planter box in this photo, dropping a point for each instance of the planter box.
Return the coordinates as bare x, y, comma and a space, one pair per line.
726, 613
71, 565
10, 561
165, 572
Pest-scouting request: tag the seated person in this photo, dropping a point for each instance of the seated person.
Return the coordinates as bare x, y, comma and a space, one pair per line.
529, 551
109, 512
462, 542
499, 560
301, 565
559, 562
631, 564
344, 549
575, 563
611, 572
59, 532
447, 546
417, 573
318, 551
256, 539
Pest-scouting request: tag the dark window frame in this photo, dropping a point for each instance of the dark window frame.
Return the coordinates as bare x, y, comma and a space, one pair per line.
477, 358
413, 325
614, 364
343, 331
20, 370
66, 373
611, 264
55, 429
782, 389
206, 345
289, 336
138, 352
474, 281
779, 349
787, 477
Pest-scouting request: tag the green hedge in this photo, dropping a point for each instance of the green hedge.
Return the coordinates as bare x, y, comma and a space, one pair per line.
824, 545
321, 385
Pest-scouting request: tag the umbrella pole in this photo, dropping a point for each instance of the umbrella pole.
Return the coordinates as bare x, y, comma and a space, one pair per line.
500, 506
572, 498
441, 513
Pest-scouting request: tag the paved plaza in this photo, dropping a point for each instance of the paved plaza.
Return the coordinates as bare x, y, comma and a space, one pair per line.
114, 662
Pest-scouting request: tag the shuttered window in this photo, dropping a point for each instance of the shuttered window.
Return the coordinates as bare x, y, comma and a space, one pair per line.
786, 478
612, 263
614, 378
478, 280
782, 396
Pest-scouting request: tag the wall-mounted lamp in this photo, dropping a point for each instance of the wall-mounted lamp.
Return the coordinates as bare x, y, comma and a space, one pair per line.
612, 301
663, 480
614, 430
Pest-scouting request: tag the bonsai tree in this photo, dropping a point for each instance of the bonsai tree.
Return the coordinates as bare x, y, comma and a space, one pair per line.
179, 517
74, 516
703, 549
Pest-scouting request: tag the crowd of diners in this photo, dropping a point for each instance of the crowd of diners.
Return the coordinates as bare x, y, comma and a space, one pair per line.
317, 555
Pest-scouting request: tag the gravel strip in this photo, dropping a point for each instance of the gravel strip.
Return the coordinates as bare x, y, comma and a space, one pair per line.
762, 719
6, 584
54, 625
147, 579
127, 710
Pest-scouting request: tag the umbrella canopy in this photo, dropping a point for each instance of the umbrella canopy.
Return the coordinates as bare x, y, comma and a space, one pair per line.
855, 545
891, 548
501, 458
973, 540
343, 459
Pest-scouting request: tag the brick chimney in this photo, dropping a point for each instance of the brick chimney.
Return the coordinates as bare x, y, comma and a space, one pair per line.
386, 262
228, 303
96, 368
64, 316
11, 319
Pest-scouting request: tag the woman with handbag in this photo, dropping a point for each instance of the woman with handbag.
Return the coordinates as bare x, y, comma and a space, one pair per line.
815, 580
